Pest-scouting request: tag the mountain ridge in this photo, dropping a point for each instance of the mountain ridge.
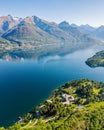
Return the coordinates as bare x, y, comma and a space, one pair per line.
50, 37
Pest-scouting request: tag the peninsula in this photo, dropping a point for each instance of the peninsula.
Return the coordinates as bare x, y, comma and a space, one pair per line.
97, 60
76, 105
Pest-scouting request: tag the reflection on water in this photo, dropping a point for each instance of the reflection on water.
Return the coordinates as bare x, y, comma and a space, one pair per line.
25, 84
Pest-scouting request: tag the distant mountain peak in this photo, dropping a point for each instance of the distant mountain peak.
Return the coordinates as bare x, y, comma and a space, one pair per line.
29, 20
74, 25
101, 27
37, 19
6, 23
64, 23
17, 19
87, 29
84, 25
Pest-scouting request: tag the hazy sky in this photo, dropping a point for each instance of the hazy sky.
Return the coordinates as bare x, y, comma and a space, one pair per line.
74, 11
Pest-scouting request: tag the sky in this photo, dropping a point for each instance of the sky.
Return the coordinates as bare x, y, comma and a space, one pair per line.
74, 11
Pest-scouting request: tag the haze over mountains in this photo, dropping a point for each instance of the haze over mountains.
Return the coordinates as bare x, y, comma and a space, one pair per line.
32, 36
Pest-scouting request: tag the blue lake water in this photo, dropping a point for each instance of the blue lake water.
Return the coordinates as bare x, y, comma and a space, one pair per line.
25, 84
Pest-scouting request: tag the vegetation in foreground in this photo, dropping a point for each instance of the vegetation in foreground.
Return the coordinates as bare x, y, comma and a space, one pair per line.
77, 105
97, 60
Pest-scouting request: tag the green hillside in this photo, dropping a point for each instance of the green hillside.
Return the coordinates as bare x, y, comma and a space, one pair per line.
5, 47
97, 60
77, 105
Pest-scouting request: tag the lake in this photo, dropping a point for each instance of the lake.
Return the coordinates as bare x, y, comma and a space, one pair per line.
24, 84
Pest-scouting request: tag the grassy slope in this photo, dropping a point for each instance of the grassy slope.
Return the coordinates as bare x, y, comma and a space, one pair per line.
97, 60
56, 115
6, 46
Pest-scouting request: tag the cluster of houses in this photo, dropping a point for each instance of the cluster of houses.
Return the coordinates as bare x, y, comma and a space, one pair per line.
67, 98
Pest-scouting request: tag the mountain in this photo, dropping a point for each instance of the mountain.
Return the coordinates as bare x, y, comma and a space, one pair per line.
99, 33
32, 41
32, 29
76, 105
96, 33
76, 33
52, 29
26, 32
5, 47
37, 31
41, 37
74, 25
7, 22
70, 29
86, 29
